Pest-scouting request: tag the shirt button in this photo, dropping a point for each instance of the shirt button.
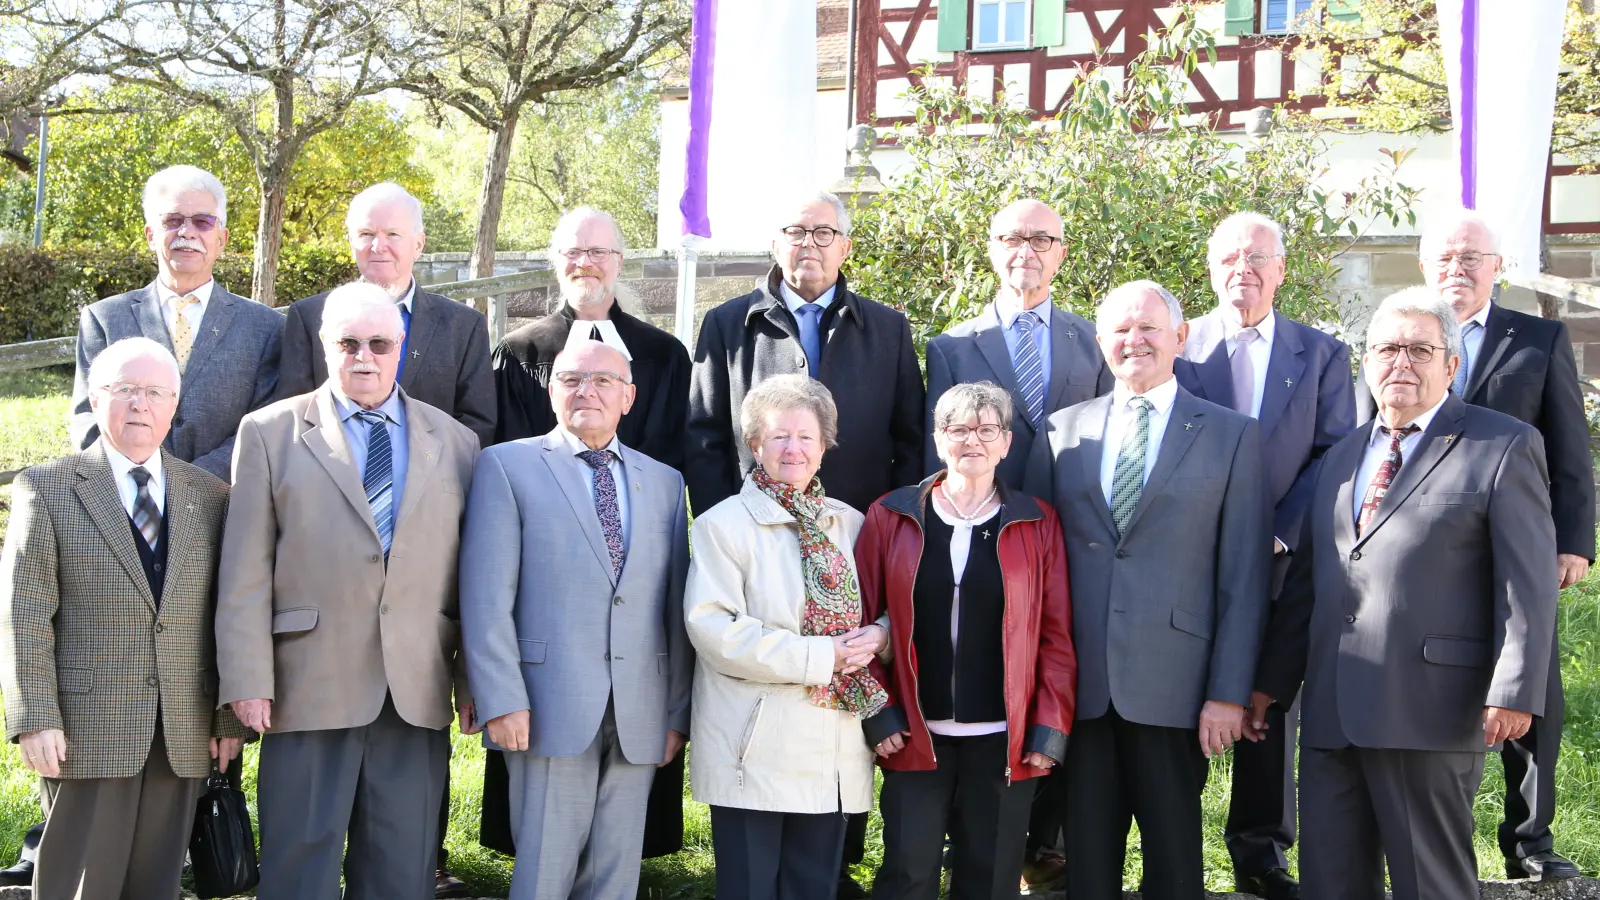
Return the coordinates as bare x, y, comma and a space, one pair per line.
373, 558
1350, 619
157, 567
153, 681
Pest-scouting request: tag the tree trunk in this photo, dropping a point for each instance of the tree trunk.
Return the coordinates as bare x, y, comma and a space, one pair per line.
493, 197
269, 237
1549, 307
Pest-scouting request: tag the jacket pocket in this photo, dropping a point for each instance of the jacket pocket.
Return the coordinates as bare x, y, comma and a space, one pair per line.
1454, 651
74, 679
663, 663
1448, 499
290, 621
532, 651
748, 736
1190, 623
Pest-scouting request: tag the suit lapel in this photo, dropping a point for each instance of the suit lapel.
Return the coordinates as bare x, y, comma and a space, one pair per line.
97, 489
991, 341
220, 310
1498, 335
1092, 449
1183, 425
1349, 468
1065, 343
425, 316
1284, 368
1441, 437
183, 531
326, 441
573, 476
642, 501
147, 311
423, 453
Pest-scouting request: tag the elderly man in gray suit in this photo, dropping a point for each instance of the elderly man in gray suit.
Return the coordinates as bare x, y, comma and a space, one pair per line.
572, 614
1419, 613
1042, 354
227, 347
1168, 536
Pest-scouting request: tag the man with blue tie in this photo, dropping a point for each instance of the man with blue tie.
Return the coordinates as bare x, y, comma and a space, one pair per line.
1295, 381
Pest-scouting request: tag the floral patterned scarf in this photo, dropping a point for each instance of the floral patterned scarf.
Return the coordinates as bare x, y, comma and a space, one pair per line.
833, 597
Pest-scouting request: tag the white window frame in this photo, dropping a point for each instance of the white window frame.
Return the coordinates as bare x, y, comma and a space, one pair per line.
1296, 11
1027, 20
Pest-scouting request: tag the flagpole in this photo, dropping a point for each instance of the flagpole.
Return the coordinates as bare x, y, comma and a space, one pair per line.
688, 265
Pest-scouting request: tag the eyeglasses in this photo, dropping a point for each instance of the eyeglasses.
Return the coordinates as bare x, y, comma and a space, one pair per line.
200, 222
822, 235
379, 346
1256, 259
1420, 354
598, 254
986, 433
602, 381
1469, 261
1041, 243
124, 393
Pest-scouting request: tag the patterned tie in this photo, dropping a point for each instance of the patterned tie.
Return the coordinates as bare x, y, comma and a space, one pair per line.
809, 318
1459, 383
182, 334
146, 515
1029, 367
378, 479
605, 504
1384, 477
1127, 480
1244, 371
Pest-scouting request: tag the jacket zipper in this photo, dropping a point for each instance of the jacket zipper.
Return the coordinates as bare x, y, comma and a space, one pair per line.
749, 736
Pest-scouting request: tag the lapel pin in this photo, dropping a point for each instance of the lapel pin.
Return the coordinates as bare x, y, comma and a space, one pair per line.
1288, 382
416, 354
189, 506
427, 454
1070, 334
1510, 332
215, 330
1448, 438
637, 487
1188, 426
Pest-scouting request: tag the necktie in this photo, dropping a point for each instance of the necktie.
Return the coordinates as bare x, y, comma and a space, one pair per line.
405, 325
146, 515
378, 479
809, 317
182, 334
1384, 476
1459, 383
1029, 367
605, 504
1244, 371
1127, 480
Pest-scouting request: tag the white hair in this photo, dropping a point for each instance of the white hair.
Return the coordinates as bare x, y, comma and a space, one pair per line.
349, 302
1441, 228
1241, 223
1419, 301
840, 211
383, 192
572, 218
175, 180
1174, 308
108, 364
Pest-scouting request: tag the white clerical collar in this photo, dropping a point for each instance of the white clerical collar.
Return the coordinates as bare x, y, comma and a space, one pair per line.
602, 330
1162, 396
169, 297
1422, 422
795, 301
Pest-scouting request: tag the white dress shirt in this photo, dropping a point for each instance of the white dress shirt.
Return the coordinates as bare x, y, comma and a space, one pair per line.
127, 488
1121, 418
1260, 350
196, 311
1378, 450
1473, 343
960, 549
618, 475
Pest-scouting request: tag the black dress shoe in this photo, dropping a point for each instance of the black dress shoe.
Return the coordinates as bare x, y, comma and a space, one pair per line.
19, 875
1546, 866
1273, 884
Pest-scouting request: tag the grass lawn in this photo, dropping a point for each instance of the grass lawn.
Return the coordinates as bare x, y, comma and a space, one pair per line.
33, 415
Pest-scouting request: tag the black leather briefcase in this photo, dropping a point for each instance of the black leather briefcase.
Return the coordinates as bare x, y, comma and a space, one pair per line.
222, 848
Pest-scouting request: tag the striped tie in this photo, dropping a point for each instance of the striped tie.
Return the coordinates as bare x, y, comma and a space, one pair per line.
1459, 383
146, 515
378, 479
1127, 480
1029, 367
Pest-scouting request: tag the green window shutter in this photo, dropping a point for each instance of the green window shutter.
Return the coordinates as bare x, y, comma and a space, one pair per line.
1049, 23
1241, 18
1344, 10
953, 25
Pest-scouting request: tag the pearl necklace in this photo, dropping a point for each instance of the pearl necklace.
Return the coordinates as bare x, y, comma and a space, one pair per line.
964, 517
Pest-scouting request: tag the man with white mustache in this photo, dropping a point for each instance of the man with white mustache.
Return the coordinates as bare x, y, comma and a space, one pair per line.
1522, 366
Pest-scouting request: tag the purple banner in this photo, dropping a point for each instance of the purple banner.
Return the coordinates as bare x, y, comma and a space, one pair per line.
1469, 104
702, 74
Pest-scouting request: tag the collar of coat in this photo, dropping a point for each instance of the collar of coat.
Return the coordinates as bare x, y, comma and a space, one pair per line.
767, 511
912, 501
849, 303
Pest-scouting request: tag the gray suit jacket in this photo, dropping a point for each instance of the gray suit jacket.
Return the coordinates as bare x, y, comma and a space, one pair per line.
975, 350
233, 369
1169, 614
545, 625
1445, 605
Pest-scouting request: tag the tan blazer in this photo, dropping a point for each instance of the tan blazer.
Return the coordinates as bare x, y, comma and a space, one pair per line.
84, 648
308, 615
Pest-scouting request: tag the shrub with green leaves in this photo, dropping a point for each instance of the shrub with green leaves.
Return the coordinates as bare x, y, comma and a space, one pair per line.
1138, 183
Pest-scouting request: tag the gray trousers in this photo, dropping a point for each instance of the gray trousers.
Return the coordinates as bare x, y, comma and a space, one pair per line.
578, 822
367, 796
1411, 808
116, 838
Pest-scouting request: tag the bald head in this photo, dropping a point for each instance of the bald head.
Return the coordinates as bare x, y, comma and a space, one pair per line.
1025, 272
591, 389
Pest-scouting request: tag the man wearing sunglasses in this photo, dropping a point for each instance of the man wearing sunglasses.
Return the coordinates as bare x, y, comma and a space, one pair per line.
337, 626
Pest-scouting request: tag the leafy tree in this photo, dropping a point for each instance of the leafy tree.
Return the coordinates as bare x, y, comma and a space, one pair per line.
1138, 189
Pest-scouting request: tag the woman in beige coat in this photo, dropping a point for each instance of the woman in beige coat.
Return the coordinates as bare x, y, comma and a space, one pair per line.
781, 678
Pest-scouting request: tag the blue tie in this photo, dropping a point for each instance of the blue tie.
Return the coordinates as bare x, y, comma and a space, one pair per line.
1459, 383
405, 324
378, 479
1030, 368
810, 318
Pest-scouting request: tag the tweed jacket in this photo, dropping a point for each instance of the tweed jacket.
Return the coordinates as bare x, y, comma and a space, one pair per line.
85, 648
309, 615
232, 369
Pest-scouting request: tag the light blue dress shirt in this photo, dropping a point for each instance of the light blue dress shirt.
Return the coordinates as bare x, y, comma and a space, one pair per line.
356, 434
